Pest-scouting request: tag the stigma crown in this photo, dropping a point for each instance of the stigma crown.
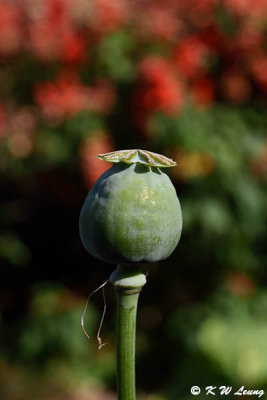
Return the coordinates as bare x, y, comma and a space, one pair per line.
138, 156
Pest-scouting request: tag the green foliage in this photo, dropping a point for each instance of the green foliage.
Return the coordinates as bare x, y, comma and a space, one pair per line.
115, 57
227, 335
13, 250
53, 335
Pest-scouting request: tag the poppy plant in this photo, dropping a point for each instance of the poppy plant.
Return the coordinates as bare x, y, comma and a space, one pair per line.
131, 216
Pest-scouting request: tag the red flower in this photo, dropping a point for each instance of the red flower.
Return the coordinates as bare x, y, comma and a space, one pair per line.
162, 23
48, 30
67, 96
202, 91
101, 96
106, 15
164, 97
154, 69
203, 6
10, 29
201, 12
159, 89
63, 98
98, 142
249, 39
259, 71
73, 48
51, 44
247, 8
235, 86
54, 36
189, 56
213, 38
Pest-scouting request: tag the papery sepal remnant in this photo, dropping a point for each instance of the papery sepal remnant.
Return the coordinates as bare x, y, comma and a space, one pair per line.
138, 156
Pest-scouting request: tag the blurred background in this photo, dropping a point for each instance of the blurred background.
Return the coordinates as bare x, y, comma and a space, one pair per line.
185, 79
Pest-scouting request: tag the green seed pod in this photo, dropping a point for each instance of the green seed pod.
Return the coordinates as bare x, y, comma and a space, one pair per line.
132, 214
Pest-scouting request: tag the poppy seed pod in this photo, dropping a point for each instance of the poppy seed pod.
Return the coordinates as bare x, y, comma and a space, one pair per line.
132, 214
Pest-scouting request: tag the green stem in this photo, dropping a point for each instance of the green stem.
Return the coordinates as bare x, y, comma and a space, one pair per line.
125, 340
128, 282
